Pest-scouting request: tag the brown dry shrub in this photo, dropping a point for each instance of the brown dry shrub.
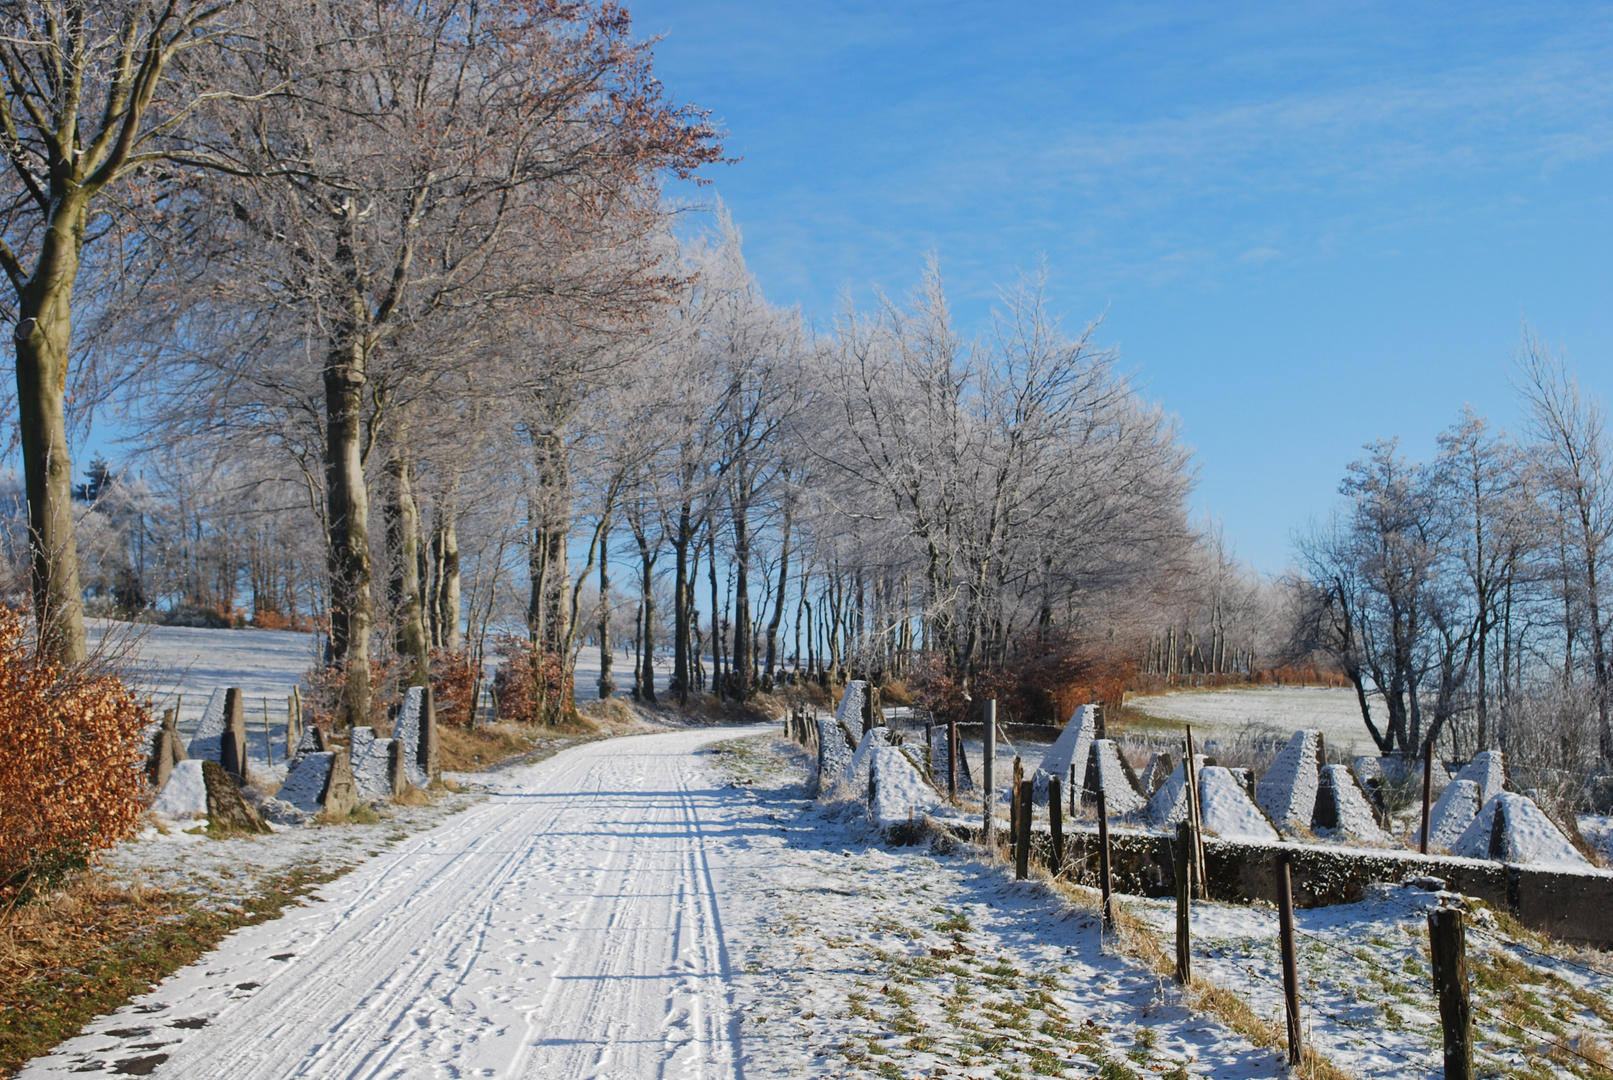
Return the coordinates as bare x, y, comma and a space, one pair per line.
1045, 678
70, 774
453, 680
322, 696
521, 675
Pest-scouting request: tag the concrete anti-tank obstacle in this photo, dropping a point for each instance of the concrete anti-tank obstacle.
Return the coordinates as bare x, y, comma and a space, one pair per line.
1108, 771
1488, 771
938, 760
1154, 774
227, 809
1343, 809
1287, 793
1227, 810
417, 728
834, 752
232, 744
206, 741
166, 750
1511, 828
321, 783
1073, 747
1452, 814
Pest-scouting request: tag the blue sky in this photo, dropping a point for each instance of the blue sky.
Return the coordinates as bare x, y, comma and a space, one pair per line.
1306, 225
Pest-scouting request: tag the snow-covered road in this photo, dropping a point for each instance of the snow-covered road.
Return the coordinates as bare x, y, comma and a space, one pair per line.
566, 927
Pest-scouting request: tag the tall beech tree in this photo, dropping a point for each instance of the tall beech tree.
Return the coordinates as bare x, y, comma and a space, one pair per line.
87, 101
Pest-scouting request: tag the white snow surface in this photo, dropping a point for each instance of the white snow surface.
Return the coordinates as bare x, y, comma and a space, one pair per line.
900, 791
1226, 809
1169, 804
1330, 710
184, 796
1120, 796
1356, 820
1527, 835
1070, 748
1487, 772
208, 742
372, 769
1455, 810
1287, 793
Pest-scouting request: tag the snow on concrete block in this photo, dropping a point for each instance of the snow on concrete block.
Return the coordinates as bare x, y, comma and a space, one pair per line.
834, 752
184, 796
304, 786
1226, 809
1287, 793
1510, 827
1342, 808
1073, 747
1154, 774
208, 738
227, 809
372, 764
1169, 804
1452, 814
938, 760
855, 774
415, 728
1488, 771
232, 744
850, 712
1108, 771
900, 792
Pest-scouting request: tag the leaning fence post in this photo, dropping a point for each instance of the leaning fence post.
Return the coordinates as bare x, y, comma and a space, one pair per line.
1055, 823
1428, 791
1447, 940
1022, 842
988, 798
1285, 929
1184, 889
1190, 776
1013, 805
1103, 859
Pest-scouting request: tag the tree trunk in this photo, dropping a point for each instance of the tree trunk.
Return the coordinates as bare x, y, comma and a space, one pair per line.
548, 611
606, 686
647, 556
778, 600
403, 529
448, 584
347, 498
43, 337
741, 659
682, 603
716, 625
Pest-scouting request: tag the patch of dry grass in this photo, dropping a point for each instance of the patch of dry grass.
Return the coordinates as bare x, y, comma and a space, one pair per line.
473, 749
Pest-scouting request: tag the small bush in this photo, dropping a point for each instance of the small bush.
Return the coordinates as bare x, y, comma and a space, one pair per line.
453, 679
526, 675
70, 773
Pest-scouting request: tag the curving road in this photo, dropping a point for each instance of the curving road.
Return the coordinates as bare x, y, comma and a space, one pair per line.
569, 926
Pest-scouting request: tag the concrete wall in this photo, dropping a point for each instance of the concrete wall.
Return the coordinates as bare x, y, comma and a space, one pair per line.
1575, 907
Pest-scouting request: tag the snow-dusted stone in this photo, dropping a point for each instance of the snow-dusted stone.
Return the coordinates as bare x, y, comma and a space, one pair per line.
1154, 774
227, 809
1108, 770
207, 742
359, 743
1487, 771
1226, 810
1404, 770
850, 711
416, 728
1169, 804
232, 744
1512, 828
1073, 747
321, 783
373, 765
900, 791
1342, 809
938, 760
1452, 814
311, 742
855, 774
184, 795
1287, 793
834, 752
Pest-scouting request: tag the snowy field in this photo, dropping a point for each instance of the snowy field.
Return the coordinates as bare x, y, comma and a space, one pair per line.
1333, 711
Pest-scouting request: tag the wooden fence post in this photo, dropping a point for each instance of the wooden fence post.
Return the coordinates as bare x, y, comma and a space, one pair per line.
268, 738
1103, 859
1190, 776
1184, 889
1447, 940
1013, 806
1022, 844
1055, 822
952, 758
1075, 790
1285, 930
1428, 791
988, 798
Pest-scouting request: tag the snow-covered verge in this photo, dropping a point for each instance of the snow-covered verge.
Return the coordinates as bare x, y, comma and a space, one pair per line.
1366, 989
855, 959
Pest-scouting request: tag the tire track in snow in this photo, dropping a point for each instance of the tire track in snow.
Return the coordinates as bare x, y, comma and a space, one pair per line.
568, 927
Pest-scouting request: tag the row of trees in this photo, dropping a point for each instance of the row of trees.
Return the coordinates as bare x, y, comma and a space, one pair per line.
414, 352
1454, 594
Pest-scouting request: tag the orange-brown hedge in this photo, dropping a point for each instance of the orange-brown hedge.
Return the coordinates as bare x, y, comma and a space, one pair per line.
71, 751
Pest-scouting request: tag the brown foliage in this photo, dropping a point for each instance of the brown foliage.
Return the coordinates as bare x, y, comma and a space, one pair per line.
1045, 678
322, 703
453, 679
524, 676
70, 773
